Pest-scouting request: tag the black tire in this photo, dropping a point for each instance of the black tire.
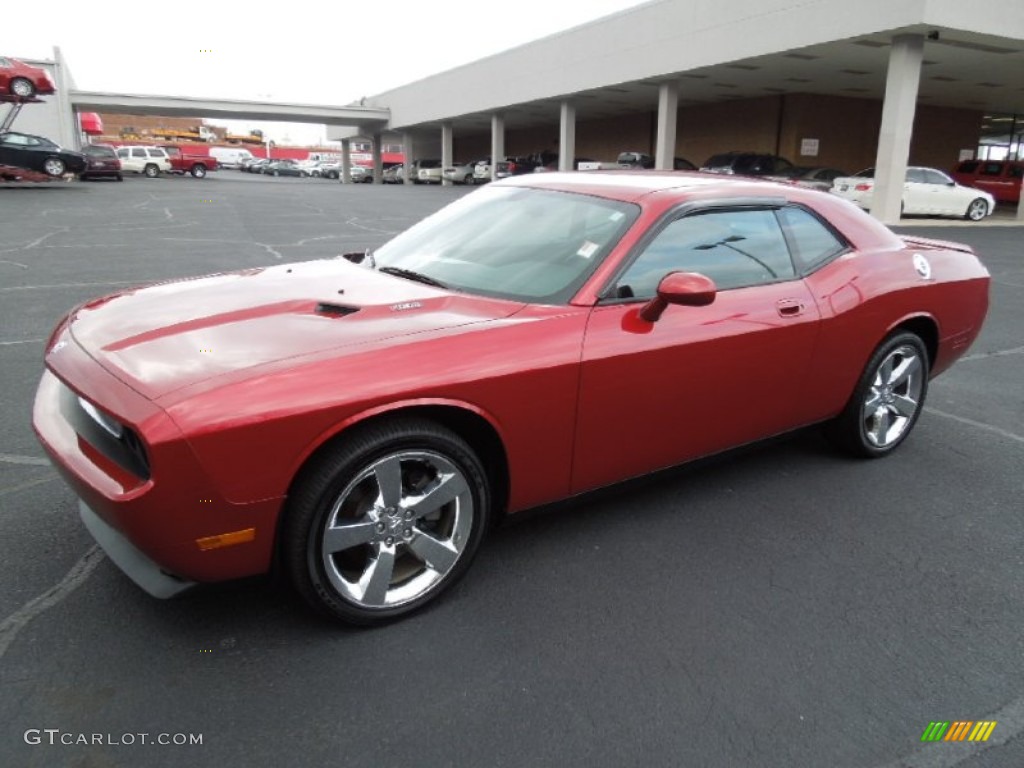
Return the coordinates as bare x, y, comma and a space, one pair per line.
54, 166
120, 177
151, 171
884, 407
198, 171
340, 490
977, 210
22, 87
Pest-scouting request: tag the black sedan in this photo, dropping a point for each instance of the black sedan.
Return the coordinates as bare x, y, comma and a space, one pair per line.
284, 168
34, 153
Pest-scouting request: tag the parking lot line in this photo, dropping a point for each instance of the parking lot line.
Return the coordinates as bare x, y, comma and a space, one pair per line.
978, 424
13, 624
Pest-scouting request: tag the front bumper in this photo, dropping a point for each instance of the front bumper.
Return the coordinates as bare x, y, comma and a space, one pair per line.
136, 565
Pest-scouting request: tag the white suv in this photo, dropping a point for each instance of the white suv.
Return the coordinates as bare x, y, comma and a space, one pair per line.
148, 160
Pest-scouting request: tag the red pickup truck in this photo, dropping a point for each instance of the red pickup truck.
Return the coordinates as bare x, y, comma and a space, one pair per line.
196, 164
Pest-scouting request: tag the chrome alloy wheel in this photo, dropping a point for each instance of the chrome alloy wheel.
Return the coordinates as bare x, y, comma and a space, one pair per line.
977, 210
397, 529
893, 397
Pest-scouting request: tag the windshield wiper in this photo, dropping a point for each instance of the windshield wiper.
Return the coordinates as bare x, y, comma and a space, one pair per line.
411, 275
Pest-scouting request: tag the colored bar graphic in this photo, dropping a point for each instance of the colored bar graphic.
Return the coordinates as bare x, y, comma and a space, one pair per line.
983, 730
958, 730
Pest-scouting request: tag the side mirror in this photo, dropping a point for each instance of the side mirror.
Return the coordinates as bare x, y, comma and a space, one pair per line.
688, 289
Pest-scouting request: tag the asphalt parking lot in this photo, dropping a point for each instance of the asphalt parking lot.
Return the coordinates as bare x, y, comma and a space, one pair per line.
781, 606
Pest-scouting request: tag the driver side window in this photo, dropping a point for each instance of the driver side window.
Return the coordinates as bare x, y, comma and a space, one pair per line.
734, 248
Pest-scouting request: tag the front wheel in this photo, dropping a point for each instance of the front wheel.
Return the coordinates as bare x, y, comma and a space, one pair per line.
198, 171
22, 88
384, 522
151, 171
54, 166
977, 210
887, 401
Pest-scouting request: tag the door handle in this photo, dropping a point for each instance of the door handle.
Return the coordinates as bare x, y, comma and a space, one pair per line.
790, 307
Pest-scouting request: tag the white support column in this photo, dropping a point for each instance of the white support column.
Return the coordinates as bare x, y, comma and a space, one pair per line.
346, 161
409, 153
1020, 209
897, 126
446, 151
668, 106
378, 159
567, 137
497, 141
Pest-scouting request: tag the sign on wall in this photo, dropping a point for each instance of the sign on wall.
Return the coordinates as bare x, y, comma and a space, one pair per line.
808, 147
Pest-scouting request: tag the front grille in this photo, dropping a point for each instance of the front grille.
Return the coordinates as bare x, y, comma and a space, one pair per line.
122, 446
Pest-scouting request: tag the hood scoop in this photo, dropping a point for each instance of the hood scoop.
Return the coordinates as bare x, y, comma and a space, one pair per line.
334, 310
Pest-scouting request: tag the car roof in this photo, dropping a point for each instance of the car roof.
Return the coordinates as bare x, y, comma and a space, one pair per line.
631, 185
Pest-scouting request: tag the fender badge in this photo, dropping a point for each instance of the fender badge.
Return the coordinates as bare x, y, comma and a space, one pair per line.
405, 305
924, 269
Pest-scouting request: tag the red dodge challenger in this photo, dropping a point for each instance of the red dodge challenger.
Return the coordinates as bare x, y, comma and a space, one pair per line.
360, 422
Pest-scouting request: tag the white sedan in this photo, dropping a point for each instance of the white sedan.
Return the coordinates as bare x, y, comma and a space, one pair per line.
926, 191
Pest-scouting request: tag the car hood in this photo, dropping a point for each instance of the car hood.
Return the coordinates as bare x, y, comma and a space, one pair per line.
163, 337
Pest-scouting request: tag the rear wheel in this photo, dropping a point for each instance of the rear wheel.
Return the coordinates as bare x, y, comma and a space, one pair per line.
151, 171
198, 171
977, 210
22, 87
384, 522
887, 401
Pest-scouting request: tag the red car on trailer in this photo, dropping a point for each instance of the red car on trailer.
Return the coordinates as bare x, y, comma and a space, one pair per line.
362, 424
22, 80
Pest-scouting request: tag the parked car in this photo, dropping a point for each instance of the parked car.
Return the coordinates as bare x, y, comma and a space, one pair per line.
102, 163
927, 191
183, 162
149, 161
331, 170
22, 80
747, 164
245, 162
427, 172
511, 167
1000, 178
812, 178
393, 175
479, 364
258, 165
552, 165
284, 168
360, 174
460, 173
35, 153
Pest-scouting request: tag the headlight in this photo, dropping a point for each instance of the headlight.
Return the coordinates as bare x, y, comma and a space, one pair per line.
109, 423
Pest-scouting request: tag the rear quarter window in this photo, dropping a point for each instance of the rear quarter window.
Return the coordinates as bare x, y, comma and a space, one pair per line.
813, 243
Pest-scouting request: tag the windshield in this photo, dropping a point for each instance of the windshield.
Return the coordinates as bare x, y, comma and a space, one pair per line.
513, 242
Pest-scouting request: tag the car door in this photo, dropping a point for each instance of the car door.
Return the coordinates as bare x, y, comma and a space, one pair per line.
700, 379
918, 196
947, 198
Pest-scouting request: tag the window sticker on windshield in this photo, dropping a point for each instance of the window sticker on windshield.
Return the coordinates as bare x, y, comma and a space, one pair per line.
588, 249
616, 215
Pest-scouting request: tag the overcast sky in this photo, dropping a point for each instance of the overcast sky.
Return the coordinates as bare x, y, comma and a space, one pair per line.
307, 51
